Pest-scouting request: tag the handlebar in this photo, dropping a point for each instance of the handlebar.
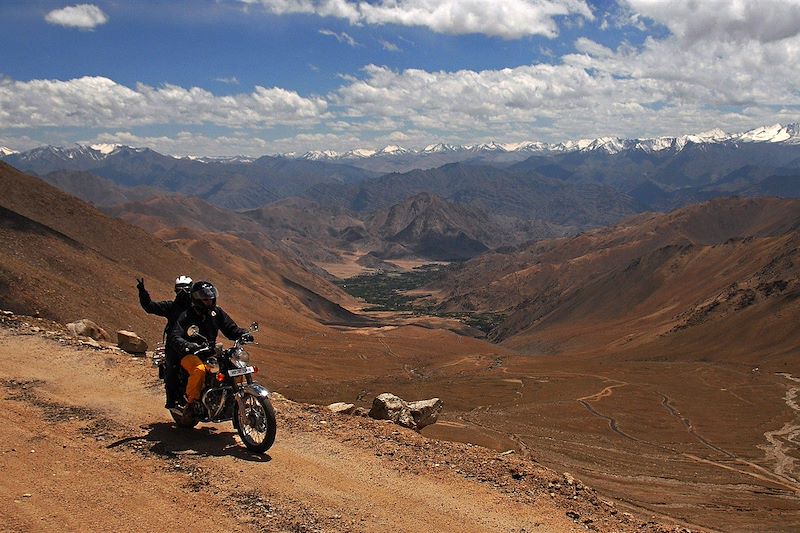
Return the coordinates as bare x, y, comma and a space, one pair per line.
204, 350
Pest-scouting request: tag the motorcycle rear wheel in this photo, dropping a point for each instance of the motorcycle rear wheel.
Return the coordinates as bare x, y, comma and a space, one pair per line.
256, 423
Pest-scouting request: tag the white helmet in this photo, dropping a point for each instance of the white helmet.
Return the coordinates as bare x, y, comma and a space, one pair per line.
183, 283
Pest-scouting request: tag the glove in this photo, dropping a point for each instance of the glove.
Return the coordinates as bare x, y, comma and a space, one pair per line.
247, 337
140, 284
192, 347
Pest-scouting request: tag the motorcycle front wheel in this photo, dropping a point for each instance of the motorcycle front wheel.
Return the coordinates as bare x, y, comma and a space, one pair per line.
255, 422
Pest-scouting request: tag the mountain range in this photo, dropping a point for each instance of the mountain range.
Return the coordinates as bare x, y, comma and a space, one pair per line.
516, 193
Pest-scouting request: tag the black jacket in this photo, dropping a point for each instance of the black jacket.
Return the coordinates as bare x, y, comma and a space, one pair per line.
210, 324
169, 309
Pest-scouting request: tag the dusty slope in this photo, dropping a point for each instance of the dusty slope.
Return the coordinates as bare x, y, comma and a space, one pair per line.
66, 260
648, 275
85, 445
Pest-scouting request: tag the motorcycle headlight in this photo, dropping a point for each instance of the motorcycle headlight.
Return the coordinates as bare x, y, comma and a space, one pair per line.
241, 355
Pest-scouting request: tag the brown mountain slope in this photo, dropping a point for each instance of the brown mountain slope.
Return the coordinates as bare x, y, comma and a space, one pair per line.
66, 260
659, 267
431, 227
96, 190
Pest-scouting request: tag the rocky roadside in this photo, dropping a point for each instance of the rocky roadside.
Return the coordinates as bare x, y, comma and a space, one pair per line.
520, 479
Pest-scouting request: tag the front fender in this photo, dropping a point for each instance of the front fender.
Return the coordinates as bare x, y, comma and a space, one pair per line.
255, 389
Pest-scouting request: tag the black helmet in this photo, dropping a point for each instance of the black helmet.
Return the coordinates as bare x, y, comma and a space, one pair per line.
204, 296
183, 283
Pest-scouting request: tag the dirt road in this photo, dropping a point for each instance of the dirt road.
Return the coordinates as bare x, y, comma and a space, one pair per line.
85, 445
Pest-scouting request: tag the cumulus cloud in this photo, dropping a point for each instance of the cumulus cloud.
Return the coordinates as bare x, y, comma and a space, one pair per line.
508, 19
82, 16
723, 20
101, 102
660, 88
342, 37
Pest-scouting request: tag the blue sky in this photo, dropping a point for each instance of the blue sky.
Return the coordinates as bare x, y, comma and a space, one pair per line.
254, 77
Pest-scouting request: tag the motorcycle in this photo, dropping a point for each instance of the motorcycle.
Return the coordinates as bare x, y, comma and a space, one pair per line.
229, 393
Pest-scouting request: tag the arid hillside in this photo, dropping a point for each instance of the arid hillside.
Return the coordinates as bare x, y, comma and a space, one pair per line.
651, 360
65, 260
651, 277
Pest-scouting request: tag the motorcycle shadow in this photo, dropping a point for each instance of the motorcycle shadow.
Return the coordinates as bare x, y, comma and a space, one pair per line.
167, 440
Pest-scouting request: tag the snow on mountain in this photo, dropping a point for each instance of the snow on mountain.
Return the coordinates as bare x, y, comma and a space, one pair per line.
526, 146
486, 147
654, 145
773, 134
319, 155
393, 149
776, 133
359, 153
219, 159
440, 148
105, 149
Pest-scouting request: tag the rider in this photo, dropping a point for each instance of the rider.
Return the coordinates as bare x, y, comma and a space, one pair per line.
171, 309
210, 319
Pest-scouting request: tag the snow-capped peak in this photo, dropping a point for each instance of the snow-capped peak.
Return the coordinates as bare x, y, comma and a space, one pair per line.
105, 148
392, 149
359, 153
439, 148
526, 146
488, 147
773, 134
317, 155
7, 151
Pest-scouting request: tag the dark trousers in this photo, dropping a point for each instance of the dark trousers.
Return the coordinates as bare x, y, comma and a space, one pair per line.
171, 382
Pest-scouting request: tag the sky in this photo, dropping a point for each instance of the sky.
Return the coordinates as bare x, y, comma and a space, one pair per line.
256, 77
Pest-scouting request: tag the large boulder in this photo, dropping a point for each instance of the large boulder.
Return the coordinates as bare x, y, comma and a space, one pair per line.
87, 328
425, 412
131, 342
414, 415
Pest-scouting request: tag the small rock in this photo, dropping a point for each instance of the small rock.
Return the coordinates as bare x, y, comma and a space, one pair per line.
27, 495
342, 408
87, 328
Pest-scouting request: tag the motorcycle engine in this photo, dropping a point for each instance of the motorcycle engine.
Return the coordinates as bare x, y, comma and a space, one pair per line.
214, 400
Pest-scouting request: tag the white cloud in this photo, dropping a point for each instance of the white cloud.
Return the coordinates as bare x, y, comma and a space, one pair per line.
389, 46
341, 37
692, 21
661, 88
508, 19
82, 16
101, 102
233, 80
733, 70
